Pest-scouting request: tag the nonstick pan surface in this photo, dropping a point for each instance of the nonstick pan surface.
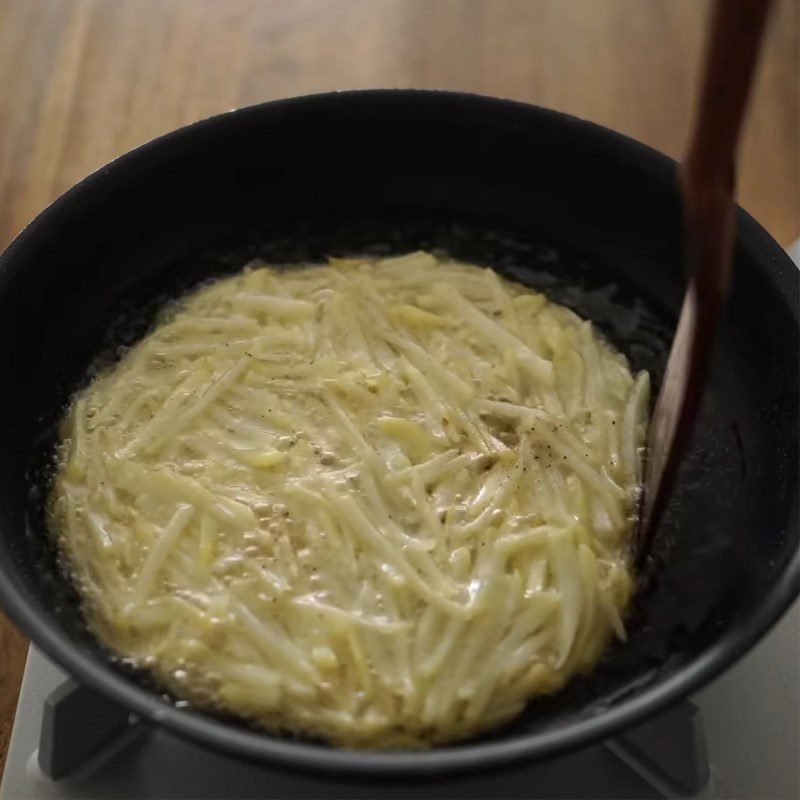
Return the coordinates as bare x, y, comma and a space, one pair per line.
585, 214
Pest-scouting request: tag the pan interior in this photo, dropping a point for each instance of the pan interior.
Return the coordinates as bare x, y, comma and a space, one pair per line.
674, 607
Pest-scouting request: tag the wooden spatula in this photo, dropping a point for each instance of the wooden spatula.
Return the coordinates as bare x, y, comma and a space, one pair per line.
707, 179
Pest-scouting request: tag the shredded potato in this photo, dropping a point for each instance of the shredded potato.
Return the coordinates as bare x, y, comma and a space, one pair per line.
382, 502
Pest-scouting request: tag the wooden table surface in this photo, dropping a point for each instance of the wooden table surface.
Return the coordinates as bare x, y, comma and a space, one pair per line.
82, 81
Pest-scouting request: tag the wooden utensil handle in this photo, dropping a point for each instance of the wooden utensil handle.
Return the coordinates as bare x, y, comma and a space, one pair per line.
708, 173
734, 37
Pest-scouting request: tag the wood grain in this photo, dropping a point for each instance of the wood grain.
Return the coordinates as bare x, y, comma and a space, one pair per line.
82, 81
13, 650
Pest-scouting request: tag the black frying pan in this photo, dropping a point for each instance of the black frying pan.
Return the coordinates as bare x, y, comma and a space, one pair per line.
583, 213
